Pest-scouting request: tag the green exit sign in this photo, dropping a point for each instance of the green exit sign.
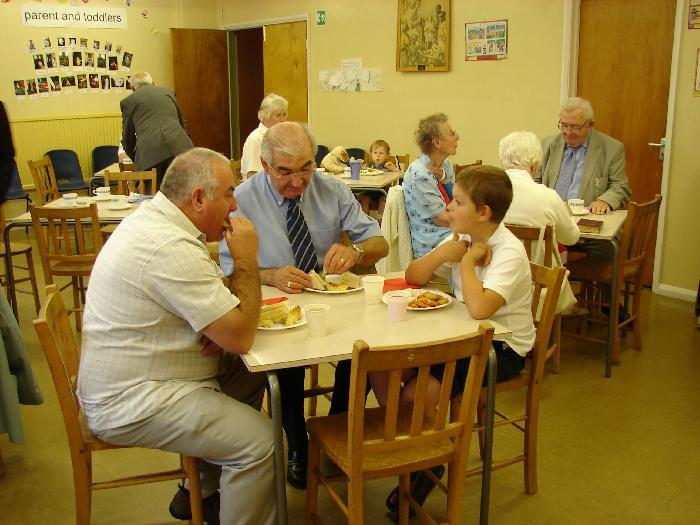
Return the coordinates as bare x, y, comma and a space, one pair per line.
320, 18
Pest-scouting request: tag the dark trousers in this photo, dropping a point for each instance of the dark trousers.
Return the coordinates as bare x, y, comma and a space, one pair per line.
291, 382
161, 168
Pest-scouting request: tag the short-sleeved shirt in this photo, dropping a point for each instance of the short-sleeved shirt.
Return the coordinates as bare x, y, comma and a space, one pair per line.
153, 289
250, 156
423, 202
329, 208
508, 274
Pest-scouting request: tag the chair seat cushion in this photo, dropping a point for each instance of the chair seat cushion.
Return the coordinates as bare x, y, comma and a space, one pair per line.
332, 433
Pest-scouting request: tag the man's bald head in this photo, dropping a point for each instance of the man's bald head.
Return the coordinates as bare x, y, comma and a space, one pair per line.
289, 138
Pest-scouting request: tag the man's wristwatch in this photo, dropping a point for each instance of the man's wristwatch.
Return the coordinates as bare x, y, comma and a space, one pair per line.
360, 251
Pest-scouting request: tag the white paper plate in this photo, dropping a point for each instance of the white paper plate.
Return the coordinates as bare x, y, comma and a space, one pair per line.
274, 327
371, 172
121, 206
584, 211
335, 292
415, 292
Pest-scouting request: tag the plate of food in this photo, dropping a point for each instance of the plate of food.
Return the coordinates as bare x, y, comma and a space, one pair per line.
346, 282
280, 316
370, 171
421, 299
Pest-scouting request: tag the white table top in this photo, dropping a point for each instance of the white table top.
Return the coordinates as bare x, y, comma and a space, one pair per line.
350, 319
612, 223
373, 182
103, 211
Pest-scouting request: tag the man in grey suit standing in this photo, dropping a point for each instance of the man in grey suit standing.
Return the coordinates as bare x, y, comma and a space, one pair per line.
153, 130
583, 163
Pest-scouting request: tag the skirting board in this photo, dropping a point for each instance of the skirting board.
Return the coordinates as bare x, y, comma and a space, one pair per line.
676, 292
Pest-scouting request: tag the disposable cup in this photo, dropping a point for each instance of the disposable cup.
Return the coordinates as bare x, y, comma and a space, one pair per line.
397, 304
317, 319
373, 285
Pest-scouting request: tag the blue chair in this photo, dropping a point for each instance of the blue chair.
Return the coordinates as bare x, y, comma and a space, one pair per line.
15, 190
66, 166
321, 152
102, 156
357, 153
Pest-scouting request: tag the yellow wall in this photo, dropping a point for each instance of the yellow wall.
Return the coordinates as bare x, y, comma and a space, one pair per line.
66, 121
681, 250
484, 100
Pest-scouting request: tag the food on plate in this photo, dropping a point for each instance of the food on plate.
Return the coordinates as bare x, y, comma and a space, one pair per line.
341, 283
370, 171
278, 314
428, 300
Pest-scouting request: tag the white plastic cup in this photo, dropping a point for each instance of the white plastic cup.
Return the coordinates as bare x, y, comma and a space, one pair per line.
317, 319
347, 174
70, 200
397, 305
102, 191
374, 286
576, 205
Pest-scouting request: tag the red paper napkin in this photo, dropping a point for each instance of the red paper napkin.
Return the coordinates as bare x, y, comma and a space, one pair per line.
274, 300
397, 284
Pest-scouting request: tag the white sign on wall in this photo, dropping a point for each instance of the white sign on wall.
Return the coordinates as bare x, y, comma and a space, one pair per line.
45, 15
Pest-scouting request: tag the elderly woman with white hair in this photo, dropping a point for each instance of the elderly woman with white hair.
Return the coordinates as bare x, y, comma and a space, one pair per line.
273, 110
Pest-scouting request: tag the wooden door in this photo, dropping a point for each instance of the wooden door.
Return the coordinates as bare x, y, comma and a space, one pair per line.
624, 69
200, 76
250, 86
284, 59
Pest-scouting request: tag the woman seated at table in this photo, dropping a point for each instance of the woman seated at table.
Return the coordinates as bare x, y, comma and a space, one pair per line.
273, 110
428, 183
533, 204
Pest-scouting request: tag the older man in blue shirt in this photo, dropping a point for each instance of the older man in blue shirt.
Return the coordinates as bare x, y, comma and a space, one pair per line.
299, 217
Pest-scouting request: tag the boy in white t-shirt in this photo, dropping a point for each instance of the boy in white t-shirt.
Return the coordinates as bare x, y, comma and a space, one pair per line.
489, 272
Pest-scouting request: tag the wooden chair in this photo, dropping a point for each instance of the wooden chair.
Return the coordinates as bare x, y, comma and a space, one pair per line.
44, 180
66, 253
143, 182
17, 248
372, 443
530, 235
403, 161
236, 169
638, 232
460, 167
59, 347
551, 279
126, 166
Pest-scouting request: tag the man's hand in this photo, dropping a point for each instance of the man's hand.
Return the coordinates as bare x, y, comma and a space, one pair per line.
479, 253
241, 238
290, 279
340, 259
209, 347
453, 250
600, 207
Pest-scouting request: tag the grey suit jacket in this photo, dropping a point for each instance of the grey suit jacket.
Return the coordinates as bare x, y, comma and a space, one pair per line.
603, 175
153, 129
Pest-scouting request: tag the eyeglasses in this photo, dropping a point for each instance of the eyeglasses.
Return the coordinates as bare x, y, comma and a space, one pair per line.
573, 127
306, 172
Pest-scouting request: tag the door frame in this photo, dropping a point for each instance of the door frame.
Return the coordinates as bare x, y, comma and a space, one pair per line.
570, 36
281, 20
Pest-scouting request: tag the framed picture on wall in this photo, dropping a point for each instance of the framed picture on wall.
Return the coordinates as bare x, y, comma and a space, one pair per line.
423, 35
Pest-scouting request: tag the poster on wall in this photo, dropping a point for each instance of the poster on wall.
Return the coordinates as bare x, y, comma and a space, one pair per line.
696, 91
694, 14
20, 89
55, 85
486, 40
423, 35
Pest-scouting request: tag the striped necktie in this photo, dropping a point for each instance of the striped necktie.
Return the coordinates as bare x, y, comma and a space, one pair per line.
300, 238
566, 174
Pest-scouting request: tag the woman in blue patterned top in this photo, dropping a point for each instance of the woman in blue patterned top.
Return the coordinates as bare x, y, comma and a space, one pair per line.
428, 183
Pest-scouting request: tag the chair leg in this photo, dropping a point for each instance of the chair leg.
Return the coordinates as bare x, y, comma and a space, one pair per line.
614, 312
404, 494
636, 313
76, 304
190, 465
313, 383
82, 480
32, 280
356, 509
481, 421
530, 446
556, 339
455, 489
314, 460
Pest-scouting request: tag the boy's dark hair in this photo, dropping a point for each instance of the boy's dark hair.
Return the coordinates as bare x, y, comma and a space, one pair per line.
487, 185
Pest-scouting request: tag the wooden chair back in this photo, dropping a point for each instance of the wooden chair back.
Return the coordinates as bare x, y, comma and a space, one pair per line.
143, 182
44, 180
236, 169
638, 231
550, 279
460, 167
530, 235
57, 342
402, 161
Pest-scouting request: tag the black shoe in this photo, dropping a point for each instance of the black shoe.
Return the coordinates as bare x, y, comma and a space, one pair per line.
421, 486
296, 470
180, 506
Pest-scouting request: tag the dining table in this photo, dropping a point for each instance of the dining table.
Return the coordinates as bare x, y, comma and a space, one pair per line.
609, 232
350, 319
380, 182
105, 213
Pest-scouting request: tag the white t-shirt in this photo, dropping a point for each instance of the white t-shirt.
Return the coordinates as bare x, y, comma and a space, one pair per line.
250, 156
508, 274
